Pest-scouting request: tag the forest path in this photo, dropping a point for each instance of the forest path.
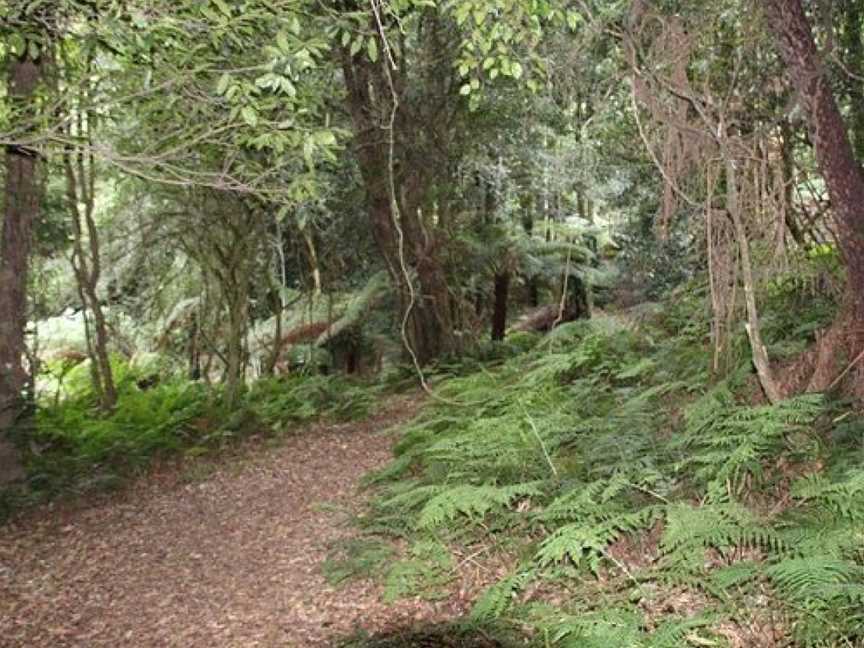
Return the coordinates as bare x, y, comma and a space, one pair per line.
230, 560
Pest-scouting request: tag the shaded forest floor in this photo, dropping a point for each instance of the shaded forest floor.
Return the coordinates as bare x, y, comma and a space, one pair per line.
225, 555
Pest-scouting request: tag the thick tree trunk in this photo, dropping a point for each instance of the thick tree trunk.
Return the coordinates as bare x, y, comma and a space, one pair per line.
22, 205
502, 296
404, 240
843, 177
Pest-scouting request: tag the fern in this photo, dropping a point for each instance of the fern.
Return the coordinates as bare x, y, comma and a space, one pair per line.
498, 598
674, 633
472, 501
428, 568
586, 545
616, 627
813, 576
690, 530
843, 497
619, 445
728, 443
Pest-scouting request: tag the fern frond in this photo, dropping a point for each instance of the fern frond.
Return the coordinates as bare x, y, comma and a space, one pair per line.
616, 627
812, 576
842, 497
495, 601
690, 530
472, 501
586, 545
674, 633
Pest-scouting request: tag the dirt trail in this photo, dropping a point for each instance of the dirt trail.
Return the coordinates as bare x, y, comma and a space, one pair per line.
231, 560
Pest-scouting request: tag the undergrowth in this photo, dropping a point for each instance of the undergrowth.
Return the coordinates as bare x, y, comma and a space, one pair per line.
638, 501
73, 448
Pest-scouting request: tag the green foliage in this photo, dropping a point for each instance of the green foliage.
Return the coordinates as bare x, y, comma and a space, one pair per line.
623, 627
428, 567
600, 439
728, 445
498, 598
475, 502
459, 633
357, 558
279, 402
73, 446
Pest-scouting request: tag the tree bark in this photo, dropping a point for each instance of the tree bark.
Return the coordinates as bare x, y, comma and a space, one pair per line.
836, 158
754, 334
22, 207
80, 190
502, 296
406, 242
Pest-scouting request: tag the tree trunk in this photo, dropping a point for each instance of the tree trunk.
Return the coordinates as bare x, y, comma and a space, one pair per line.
754, 334
314, 267
404, 240
843, 178
194, 350
499, 316
22, 206
237, 303
87, 265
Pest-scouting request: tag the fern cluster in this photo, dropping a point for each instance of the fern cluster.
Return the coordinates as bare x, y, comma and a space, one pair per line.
608, 465
75, 448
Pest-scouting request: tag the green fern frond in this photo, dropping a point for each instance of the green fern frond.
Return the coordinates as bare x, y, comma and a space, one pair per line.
842, 497
587, 501
618, 627
586, 545
497, 599
675, 633
472, 501
812, 576
690, 530
428, 568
